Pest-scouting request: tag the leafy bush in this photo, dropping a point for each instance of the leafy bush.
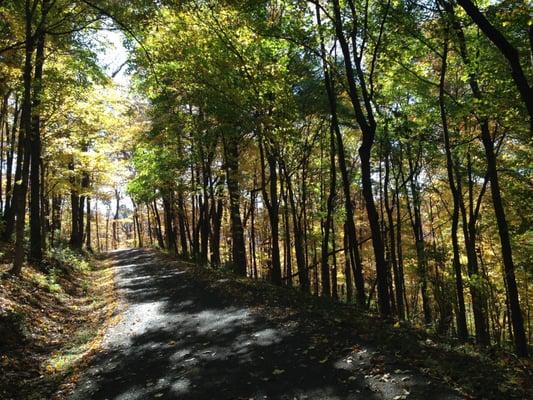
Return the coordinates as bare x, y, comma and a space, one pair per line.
66, 258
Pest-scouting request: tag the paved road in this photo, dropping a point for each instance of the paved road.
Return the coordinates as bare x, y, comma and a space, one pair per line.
179, 339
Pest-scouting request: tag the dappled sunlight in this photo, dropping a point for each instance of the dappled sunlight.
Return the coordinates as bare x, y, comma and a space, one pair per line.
176, 339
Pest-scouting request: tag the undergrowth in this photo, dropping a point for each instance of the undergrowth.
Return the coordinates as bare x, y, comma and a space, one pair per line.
51, 320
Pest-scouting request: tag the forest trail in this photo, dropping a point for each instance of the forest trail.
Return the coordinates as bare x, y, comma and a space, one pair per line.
178, 338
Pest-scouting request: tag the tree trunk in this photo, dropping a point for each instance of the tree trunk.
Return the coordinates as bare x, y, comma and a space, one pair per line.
36, 245
272, 204
328, 223
9, 160
303, 276
462, 330
88, 236
26, 125
115, 219
97, 227
217, 209
170, 235
231, 151
56, 218
389, 209
368, 129
159, 231
492, 173
419, 236
287, 227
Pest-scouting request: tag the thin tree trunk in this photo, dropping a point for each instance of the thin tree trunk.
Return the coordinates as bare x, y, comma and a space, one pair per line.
36, 245
389, 209
303, 276
170, 235
159, 231
97, 227
88, 231
26, 125
368, 128
231, 151
9, 161
115, 219
488, 144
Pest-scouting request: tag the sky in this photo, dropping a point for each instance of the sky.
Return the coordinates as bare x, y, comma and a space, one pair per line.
114, 55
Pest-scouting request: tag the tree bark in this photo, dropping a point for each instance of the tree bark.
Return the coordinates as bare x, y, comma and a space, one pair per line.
462, 329
271, 201
36, 245
231, 150
367, 124
88, 231
170, 234
26, 125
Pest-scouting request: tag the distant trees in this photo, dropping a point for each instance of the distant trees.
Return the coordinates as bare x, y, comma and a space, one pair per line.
54, 127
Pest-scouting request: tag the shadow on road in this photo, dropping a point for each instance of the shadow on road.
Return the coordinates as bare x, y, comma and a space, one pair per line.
178, 339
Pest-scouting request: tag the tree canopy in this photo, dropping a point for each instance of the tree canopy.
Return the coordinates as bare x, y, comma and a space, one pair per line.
369, 152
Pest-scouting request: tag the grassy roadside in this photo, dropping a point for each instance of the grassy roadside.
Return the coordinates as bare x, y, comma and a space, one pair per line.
52, 323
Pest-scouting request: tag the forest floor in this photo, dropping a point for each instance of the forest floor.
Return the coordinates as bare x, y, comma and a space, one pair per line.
193, 333
51, 323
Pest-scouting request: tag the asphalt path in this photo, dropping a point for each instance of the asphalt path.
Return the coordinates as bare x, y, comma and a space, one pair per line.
178, 339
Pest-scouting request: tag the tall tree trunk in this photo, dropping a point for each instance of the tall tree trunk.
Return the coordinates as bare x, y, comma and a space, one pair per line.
75, 240
97, 227
526, 92
328, 223
287, 227
231, 151
389, 209
507, 255
399, 249
181, 226
347, 268
353, 250
26, 127
159, 231
419, 236
15, 201
205, 210
4, 141
272, 204
115, 219
462, 330
45, 205
108, 215
303, 276
149, 222
170, 234
367, 124
36, 245
217, 209
9, 161
56, 218
88, 239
